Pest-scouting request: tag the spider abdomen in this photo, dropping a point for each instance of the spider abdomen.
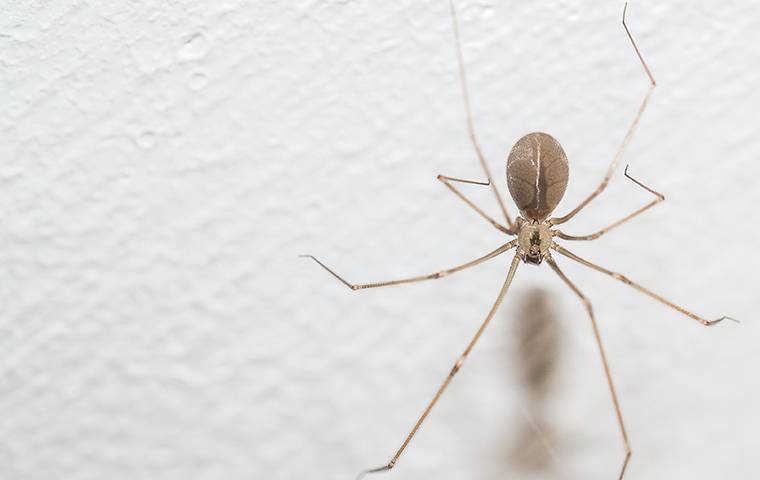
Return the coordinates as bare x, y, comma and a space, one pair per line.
537, 174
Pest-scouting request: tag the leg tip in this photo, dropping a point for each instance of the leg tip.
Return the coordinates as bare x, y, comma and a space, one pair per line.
384, 468
718, 320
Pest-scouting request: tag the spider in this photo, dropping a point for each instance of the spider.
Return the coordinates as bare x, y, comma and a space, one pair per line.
537, 175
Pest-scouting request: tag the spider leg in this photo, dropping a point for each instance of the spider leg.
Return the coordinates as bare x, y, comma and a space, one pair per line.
659, 198
452, 373
621, 149
646, 291
468, 114
432, 276
448, 180
605, 364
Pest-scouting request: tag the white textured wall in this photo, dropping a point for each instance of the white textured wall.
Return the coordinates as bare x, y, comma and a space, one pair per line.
163, 163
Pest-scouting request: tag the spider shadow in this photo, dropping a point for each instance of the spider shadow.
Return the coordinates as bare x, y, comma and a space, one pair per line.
530, 449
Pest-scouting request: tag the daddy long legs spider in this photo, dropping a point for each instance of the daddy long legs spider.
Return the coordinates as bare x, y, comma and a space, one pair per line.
537, 175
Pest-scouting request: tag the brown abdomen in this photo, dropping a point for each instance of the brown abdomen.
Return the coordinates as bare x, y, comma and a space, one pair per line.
537, 175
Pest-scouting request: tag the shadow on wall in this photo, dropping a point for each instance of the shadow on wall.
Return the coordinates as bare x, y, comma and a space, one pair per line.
531, 450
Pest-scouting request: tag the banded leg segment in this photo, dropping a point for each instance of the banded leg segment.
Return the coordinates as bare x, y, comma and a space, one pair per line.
605, 364
448, 180
659, 198
452, 373
432, 276
646, 291
468, 114
626, 140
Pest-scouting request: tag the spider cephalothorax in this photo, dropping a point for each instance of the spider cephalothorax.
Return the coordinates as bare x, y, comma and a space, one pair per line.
533, 241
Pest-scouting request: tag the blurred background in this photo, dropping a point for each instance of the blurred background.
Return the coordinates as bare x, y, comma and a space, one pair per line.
164, 164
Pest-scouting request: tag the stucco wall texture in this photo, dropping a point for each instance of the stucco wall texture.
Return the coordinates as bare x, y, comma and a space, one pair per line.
163, 164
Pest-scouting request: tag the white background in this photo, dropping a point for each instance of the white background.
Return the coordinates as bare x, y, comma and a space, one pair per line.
164, 163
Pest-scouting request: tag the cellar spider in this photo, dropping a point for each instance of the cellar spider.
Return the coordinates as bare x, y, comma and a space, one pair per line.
537, 175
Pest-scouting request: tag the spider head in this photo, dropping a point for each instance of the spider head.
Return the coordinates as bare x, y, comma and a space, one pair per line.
533, 242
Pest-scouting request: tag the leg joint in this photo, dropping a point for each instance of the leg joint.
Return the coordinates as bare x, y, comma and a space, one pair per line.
457, 366
621, 277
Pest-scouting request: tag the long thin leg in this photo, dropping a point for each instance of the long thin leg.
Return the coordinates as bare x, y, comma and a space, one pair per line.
420, 278
454, 370
605, 364
468, 114
621, 149
447, 181
638, 287
594, 236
